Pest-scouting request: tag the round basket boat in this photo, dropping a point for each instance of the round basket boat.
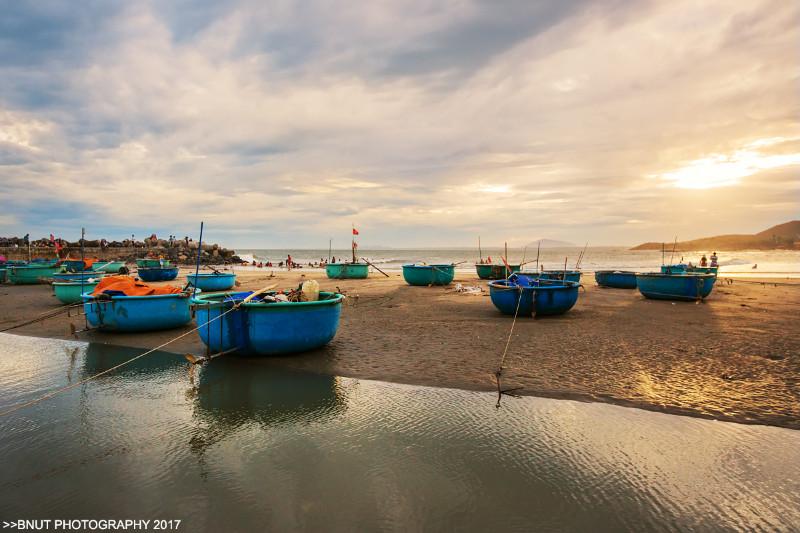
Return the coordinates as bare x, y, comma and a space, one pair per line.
426, 275
157, 273
137, 313
3, 274
152, 263
616, 279
495, 271
70, 292
266, 328
112, 267
685, 287
347, 270
31, 274
77, 276
214, 281
529, 296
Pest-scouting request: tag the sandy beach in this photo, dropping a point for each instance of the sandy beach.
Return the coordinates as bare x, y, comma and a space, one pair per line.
735, 357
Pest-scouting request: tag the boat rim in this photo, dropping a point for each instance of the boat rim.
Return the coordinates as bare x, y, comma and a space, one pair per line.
411, 265
209, 274
500, 284
203, 301
676, 275
90, 298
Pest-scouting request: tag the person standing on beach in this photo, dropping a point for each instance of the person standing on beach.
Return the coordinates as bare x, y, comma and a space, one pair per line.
714, 259
703, 261
289, 262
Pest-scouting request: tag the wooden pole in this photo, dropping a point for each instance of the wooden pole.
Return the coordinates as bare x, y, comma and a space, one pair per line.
538, 247
373, 266
197, 267
480, 253
330, 244
565, 270
672, 256
508, 269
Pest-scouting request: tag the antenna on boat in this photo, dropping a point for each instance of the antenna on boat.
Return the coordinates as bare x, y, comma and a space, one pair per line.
197, 268
580, 257
480, 253
662, 254
505, 260
538, 248
673, 250
330, 244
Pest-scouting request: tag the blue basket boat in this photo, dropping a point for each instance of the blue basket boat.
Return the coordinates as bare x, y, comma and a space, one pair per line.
214, 281
77, 276
347, 270
617, 279
137, 313
259, 327
688, 286
157, 273
546, 296
425, 275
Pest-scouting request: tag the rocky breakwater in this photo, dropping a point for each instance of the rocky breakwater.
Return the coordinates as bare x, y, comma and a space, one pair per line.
179, 251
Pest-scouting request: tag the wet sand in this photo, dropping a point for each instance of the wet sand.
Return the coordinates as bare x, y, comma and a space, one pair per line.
735, 357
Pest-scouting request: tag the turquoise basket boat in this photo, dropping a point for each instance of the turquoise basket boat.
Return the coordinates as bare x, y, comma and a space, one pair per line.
3, 276
31, 274
674, 269
157, 273
70, 292
77, 276
425, 275
152, 263
532, 296
266, 328
137, 313
687, 287
704, 270
495, 271
347, 270
616, 279
221, 281
111, 267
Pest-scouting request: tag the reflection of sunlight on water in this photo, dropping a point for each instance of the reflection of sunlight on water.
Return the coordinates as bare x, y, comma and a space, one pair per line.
242, 445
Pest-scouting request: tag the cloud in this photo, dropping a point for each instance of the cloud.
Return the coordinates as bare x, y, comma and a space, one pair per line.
280, 122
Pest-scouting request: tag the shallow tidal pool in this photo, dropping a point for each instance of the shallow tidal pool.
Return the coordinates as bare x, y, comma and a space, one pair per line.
241, 445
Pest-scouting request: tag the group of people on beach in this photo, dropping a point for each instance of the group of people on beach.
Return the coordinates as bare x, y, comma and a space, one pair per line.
704, 261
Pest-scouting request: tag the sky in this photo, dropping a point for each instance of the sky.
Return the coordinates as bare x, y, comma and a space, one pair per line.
282, 124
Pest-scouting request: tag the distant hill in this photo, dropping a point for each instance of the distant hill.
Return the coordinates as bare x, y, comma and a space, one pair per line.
783, 236
550, 243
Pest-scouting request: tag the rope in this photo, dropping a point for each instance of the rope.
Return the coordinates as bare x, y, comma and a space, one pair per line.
499, 373
43, 316
109, 370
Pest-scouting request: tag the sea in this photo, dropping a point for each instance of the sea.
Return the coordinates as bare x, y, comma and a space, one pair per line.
761, 263
242, 444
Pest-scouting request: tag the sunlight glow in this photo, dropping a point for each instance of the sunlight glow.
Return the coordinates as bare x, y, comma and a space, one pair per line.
720, 170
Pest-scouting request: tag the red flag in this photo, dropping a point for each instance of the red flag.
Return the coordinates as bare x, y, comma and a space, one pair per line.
355, 231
